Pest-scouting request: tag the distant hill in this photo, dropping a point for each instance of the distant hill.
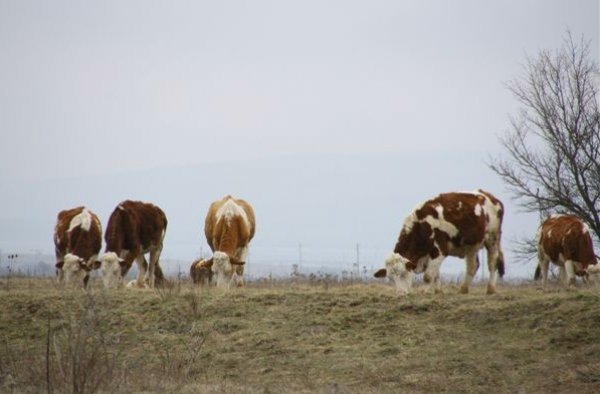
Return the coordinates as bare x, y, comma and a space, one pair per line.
311, 209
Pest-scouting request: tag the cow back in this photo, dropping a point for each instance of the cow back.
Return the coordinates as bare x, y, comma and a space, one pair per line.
449, 224
221, 231
134, 226
70, 237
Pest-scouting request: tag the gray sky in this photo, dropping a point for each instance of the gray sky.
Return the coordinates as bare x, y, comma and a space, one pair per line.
90, 89
112, 85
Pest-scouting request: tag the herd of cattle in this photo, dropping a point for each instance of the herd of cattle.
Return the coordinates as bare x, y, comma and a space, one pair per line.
451, 224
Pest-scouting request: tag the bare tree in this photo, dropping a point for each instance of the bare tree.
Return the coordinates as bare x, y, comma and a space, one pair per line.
553, 144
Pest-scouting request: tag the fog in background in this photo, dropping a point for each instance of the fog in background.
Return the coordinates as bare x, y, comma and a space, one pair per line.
334, 119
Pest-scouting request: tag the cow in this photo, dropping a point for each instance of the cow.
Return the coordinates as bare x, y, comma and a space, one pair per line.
134, 228
451, 224
77, 241
565, 241
229, 227
201, 272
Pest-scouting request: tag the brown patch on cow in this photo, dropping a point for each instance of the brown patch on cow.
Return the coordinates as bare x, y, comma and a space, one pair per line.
381, 273
426, 210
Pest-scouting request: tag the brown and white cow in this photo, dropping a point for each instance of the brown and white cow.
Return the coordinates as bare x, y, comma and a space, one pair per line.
134, 228
565, 241
77, 241
229, 227
451, 224
201, 272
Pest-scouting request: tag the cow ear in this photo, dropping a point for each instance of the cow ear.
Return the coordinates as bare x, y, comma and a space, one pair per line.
122, 263
382, 273
410, 266
96, 264
60, 264
209, 262
236, 261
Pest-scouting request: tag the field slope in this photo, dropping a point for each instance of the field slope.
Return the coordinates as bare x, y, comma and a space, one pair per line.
285, 337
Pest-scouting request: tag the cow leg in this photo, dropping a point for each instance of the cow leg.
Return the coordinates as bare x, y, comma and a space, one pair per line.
544, 263
154, 256
142, 265
432, 274
472, 262
562, 274
570, 271
241, 254
493, 253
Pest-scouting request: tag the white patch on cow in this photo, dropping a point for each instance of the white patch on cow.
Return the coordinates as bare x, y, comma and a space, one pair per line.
72, 272
460, 204
491, 210
242, 253
110, 268
231, 209
83, 220
223, 269
549, 233
440, 222
478, 210
121, 207
395, 265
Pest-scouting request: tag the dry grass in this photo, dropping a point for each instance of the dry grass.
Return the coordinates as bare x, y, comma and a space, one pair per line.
298, 337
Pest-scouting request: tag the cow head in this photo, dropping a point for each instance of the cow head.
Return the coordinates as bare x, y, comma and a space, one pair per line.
224, 267
400, 270
111, 268
74, 270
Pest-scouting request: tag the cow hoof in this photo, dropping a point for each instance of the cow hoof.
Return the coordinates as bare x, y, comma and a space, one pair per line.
491, 290
464, 290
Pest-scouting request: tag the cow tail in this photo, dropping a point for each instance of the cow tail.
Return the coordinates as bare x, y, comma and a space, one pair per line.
500, 264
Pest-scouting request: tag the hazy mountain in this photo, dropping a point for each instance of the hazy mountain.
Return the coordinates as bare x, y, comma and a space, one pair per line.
326, 203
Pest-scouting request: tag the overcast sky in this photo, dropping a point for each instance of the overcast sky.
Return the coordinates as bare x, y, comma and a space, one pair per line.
96, 87
90, 89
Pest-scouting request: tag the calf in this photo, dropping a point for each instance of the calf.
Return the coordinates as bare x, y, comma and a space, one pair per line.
565, 241
201, 272
451, 224
134, 228
77, 241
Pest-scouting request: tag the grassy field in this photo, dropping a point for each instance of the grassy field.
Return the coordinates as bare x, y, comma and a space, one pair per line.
274, 337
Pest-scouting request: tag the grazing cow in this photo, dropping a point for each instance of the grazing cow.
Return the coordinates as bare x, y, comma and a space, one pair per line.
451, 224
229, 227
201, 272
134, 228
77, 241
565, 241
